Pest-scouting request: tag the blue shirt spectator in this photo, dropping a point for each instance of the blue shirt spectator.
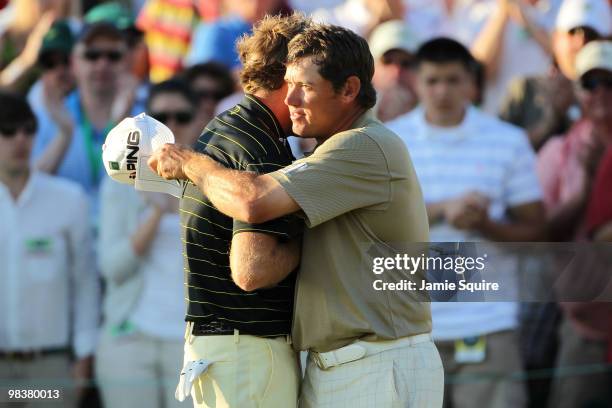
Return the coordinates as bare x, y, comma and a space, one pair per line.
216, 42
82, 162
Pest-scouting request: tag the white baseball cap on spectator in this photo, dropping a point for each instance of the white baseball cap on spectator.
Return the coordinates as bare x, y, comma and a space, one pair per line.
127, 148
594, 55
594, 14
394, 34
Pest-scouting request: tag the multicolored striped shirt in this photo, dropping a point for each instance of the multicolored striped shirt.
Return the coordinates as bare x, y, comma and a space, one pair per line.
167, 25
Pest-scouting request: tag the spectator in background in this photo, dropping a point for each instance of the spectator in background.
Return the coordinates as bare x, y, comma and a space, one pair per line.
56, 79
509, 37
567, 168
512, 41
49, 287
441, 18
140, 258
114, 13
134, 83
70, 145
20, 44
479, 184
566, 165
545, 105
599, 211
167, 25
578, 22
361, 16
215, 41
15, 62
210, 83
393, 45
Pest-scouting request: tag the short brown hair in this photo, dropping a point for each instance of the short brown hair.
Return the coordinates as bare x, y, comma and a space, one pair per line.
263, 53
340, 54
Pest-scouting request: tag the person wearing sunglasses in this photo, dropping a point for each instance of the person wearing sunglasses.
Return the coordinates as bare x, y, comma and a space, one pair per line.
98, 60
50, 290
142, 266
211, 82
393, 45
173, 103
568, 169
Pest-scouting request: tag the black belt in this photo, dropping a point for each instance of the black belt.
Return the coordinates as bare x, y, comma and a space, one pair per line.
212, 329
220, 329
29, 355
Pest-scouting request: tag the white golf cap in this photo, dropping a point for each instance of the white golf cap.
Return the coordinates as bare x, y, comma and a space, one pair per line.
594, 55
594, 14
394, 34
127, 148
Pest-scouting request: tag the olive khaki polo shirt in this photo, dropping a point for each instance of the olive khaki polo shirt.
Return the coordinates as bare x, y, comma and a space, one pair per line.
359, 193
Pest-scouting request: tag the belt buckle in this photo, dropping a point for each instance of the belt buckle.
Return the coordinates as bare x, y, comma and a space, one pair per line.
320, 362
22, 356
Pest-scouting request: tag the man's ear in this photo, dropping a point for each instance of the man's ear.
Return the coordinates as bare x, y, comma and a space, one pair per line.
351, 89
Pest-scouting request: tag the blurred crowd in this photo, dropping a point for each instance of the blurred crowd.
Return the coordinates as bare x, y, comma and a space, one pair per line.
507, 117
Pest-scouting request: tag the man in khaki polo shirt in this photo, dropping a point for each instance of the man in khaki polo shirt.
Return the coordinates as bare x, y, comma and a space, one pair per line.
360, 196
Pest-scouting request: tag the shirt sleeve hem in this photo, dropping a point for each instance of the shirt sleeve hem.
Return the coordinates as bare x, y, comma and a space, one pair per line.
313, 218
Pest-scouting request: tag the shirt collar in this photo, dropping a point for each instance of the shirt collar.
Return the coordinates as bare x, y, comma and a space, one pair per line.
27, 192
253, 104
459, 132
367, 118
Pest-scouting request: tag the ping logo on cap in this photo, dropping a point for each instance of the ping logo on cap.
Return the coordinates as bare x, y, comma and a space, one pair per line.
132, 146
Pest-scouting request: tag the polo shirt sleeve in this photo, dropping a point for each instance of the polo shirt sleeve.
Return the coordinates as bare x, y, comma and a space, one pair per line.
284, 228
522, 185
549, 161
599, 211
347, 172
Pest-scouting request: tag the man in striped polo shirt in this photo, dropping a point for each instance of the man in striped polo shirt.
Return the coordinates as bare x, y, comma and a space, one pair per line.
242, 331
479, 184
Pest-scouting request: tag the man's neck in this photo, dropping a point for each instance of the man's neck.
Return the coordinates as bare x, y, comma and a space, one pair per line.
275, 101
347, 119
451, 119
97, 108
15, 181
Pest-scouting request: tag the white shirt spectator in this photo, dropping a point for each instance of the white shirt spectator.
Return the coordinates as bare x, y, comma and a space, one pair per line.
482, 154
47, 269
145, 290
160, 311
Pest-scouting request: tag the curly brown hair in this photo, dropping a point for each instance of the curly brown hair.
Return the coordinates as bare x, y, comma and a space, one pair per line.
263, 53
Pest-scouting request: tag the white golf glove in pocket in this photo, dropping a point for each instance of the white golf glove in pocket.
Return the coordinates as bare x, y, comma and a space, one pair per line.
189, 373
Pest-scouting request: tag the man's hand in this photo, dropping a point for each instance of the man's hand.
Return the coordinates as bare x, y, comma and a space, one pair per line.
169, 161
82, 372
469, 211
53, 98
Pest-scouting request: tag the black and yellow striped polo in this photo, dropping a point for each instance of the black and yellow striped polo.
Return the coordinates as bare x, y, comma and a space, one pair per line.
245, 137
